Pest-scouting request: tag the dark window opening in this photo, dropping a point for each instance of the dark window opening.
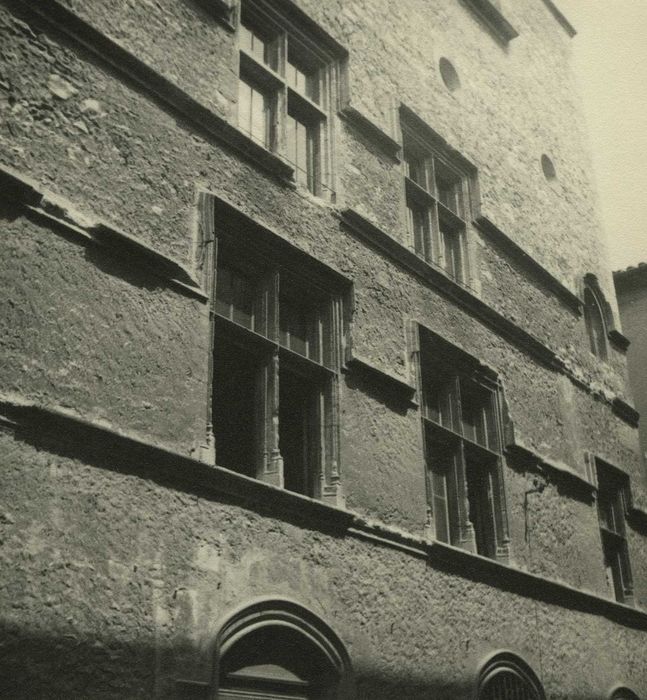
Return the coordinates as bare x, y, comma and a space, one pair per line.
595, 325
612, 485
480, 500
235, 386
299, 423
275, 662
463, 449
452, 250
275, 362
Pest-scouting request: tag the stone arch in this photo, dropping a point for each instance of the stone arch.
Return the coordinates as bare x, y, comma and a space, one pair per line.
622, 693
506, 676
276, 644
598, 316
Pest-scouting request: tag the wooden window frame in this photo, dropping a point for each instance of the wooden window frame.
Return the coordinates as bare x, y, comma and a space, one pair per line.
612, 503
291, 46
445, 228
470, 481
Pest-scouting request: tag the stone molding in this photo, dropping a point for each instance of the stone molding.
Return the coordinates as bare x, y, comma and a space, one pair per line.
538, 271
164, 91
558, 470
53, 428
369, 129
465, 298
62, 217
493, 18
397, 386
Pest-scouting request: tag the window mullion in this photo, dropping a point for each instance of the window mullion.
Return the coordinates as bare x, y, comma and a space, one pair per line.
500, 505
281, 111
268, 401
436, 247
430, 176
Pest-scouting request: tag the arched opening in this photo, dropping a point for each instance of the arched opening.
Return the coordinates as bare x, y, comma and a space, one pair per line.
277, 649
623, 694
507, 677
595, 325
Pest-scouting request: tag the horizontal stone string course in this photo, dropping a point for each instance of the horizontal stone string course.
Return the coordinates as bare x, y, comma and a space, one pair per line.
358, 225
166, 92
61, 216
110, 449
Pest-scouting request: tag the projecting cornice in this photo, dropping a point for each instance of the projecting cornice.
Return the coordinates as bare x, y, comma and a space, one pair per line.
27, 197
489, 13
465, 298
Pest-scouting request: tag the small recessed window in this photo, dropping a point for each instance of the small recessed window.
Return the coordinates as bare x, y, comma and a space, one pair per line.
595, 324
548, 167
449, 75
624, 694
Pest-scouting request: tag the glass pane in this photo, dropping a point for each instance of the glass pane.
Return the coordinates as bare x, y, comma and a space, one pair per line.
595, 325
302, 72
246, 39
439, 396
479, 497
440, 514
293, 327
442, 461
254, 44
244, 106
259, 121
478, 414
254, 112
296, 79
415, 170
452, 252
449, 188
299, 431
326, 336
235, 296
297, 149
418, 224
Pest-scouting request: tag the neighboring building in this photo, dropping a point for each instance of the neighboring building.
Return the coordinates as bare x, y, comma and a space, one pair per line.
631, 290
348, 253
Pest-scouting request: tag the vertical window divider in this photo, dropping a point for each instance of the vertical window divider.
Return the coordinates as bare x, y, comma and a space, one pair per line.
503, 550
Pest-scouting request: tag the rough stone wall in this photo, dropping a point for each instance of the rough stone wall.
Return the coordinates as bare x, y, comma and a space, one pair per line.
120, 584
105, 341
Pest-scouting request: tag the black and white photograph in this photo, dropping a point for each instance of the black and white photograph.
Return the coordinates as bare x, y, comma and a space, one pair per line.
323, 349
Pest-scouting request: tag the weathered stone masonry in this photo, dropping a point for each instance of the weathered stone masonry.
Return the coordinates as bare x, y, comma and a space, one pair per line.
123, 546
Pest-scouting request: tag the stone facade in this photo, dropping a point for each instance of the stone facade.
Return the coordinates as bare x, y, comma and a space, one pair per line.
631, 290
125, 549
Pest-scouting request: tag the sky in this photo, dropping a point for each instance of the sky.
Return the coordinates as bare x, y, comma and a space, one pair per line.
610, 60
